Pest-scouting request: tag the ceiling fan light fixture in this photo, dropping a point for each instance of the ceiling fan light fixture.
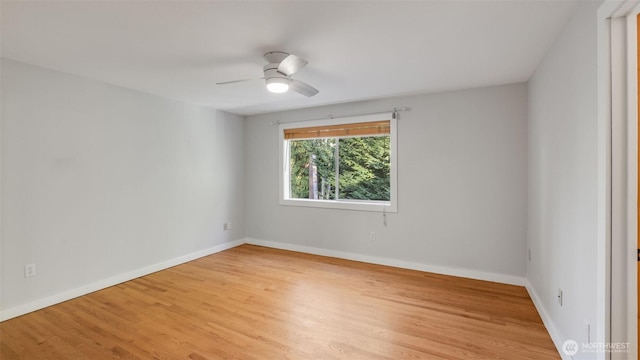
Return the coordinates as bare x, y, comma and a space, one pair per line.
278, 71
277, 85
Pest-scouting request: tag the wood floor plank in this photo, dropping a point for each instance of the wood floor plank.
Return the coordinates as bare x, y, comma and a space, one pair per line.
255, 303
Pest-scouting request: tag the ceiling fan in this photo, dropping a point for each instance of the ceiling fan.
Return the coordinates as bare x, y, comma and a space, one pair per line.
278, 71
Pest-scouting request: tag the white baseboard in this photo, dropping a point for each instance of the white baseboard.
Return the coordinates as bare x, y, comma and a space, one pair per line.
6, 314
466, 273
546, 320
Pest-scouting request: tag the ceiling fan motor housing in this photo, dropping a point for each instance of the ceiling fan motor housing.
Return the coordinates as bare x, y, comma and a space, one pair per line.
271, 71
275, 56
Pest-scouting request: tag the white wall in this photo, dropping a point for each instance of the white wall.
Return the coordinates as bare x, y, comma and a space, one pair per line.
562, 215
100, 181
461, 179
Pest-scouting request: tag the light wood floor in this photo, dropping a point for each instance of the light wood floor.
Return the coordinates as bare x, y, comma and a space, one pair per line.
257, 303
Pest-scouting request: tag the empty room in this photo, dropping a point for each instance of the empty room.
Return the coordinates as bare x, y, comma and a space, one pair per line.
318, 179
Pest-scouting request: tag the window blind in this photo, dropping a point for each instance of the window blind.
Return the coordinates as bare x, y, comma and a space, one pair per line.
370, 128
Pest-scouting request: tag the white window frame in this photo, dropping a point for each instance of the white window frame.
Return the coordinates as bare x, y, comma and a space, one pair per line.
344, 204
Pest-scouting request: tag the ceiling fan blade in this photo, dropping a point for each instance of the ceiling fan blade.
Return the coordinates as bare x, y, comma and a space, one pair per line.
303, 88
236, 81
291, 65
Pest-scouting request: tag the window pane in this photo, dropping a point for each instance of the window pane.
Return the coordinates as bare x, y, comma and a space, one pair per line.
312, 167
365, 168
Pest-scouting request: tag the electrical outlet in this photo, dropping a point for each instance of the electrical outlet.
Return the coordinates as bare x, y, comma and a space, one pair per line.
372, 236
29, 270
227, 226
560, 297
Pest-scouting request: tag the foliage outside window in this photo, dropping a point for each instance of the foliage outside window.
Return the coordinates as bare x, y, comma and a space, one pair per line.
347, 165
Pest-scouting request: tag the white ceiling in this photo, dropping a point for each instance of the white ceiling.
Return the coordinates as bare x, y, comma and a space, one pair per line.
356, 49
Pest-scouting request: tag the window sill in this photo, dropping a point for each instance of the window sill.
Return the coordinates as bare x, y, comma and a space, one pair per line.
377, 206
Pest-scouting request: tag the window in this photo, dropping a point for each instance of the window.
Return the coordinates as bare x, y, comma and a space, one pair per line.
346, 163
